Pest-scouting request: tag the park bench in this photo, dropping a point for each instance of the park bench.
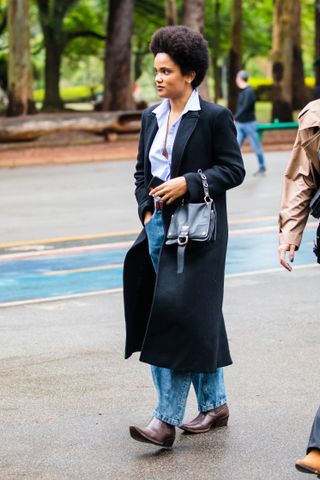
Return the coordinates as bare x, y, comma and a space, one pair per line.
276, 125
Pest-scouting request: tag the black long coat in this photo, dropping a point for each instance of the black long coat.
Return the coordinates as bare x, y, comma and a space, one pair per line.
176, 320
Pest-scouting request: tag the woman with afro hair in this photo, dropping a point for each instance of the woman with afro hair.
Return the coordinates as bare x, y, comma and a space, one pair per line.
175, 319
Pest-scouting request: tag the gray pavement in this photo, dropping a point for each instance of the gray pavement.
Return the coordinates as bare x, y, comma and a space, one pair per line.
68, 200
67, 395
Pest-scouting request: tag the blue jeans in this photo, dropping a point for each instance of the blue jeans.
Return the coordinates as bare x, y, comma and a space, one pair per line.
155, 233
173, 387
249, 130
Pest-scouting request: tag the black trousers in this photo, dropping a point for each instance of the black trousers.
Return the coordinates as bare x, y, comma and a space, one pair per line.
314, 441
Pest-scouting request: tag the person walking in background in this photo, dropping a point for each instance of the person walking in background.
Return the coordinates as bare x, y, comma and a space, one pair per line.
175, 318
246, 119
301, 181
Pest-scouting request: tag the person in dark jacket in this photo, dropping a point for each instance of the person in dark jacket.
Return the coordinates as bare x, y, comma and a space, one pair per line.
175, 319
246, 119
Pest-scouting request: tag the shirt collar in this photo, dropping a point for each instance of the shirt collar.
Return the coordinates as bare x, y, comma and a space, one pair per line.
193, 104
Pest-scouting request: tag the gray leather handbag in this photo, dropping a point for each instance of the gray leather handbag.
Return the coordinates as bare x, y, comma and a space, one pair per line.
195, 222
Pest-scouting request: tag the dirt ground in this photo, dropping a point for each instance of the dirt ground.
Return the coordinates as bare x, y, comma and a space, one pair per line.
79, 147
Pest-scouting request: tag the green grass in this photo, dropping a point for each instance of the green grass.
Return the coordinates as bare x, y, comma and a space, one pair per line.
81, 94
69, 94
256, 82
263, 111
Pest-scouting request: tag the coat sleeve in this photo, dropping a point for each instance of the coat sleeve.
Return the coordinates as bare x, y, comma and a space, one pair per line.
227, 170
298, 187
145, 202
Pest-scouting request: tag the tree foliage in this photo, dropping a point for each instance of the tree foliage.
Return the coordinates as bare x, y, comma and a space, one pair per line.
58, 31
78, 28
84, 27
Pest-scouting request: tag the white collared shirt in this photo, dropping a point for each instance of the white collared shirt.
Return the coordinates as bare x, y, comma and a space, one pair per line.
160, 164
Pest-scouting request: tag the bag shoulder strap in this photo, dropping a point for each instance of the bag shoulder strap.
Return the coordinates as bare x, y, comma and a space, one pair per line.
205, 185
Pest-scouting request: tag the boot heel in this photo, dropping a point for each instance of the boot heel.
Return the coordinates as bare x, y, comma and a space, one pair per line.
222, 422
168, 443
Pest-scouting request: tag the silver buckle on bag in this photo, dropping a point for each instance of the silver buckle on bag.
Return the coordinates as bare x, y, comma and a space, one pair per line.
183, 236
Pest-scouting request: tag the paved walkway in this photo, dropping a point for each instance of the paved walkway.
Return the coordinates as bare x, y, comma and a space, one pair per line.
67, 395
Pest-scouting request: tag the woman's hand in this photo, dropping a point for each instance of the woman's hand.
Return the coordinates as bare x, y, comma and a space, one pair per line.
147, 217
283, 249
170, 190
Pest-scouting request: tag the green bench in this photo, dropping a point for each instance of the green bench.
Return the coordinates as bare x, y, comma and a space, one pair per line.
276, 125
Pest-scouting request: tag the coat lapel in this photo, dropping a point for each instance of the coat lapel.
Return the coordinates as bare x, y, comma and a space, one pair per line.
187, 125
150, 133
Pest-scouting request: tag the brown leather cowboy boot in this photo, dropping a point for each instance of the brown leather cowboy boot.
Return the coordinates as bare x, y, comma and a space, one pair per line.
157, 432
310, 463
215, 418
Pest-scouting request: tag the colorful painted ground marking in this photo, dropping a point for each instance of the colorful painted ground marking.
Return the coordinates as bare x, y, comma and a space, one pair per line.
77, 266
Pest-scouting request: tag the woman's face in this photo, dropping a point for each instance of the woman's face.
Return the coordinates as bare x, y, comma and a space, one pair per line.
170, 82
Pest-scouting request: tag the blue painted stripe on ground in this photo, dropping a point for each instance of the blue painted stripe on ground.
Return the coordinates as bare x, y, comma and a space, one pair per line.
27, 278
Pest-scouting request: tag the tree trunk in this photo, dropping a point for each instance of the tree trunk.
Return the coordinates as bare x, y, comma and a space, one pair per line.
52, 100
51, 15
138, 60
193, 14
299, 91
282, 58
171, 12
51, 20
317, 49
234, 60
193, 17
117, 83
216, 52
20, 69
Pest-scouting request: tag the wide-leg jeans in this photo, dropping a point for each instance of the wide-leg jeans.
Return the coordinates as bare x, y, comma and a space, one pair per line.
173, 387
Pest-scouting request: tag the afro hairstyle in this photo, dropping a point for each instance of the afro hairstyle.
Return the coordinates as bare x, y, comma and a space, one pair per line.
186, 47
